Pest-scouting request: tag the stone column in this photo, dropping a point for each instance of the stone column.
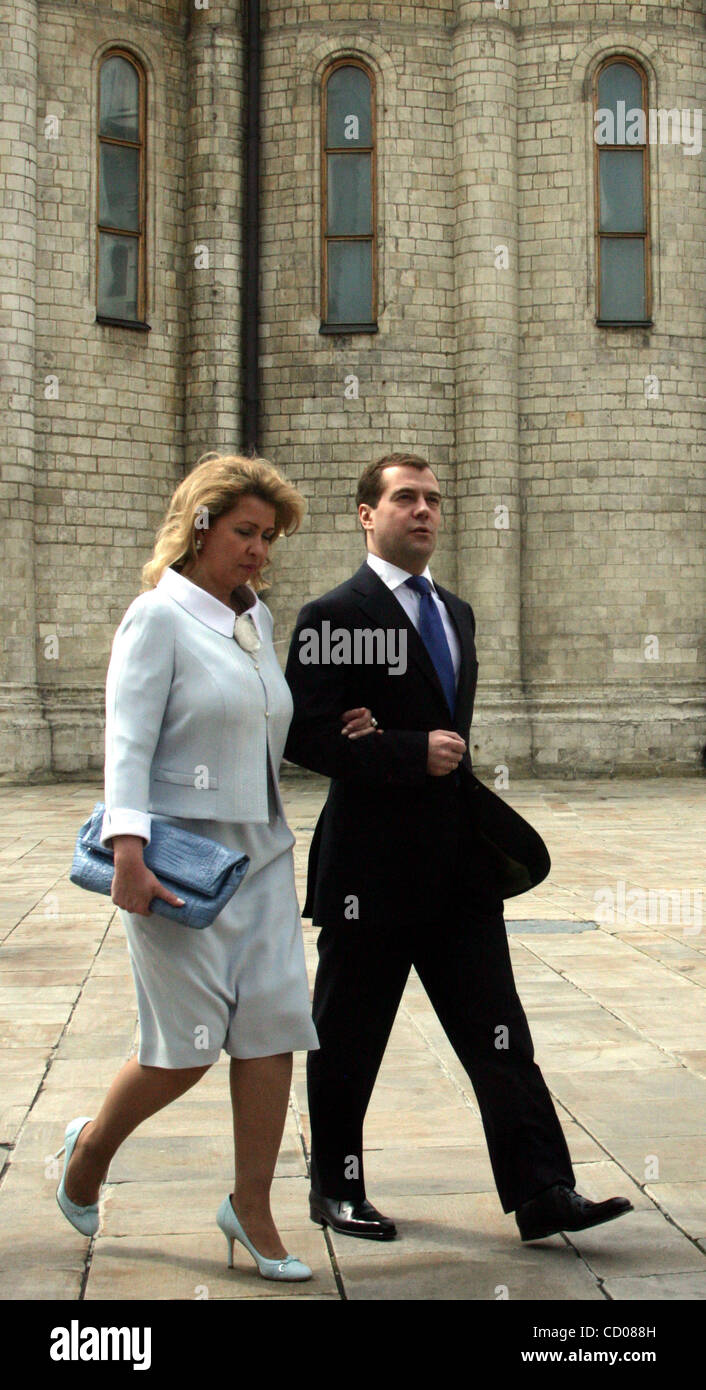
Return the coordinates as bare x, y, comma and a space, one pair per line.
24, 737
487, 363
213, 228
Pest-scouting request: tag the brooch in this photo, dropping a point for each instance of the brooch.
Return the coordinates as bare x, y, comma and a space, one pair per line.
245, 633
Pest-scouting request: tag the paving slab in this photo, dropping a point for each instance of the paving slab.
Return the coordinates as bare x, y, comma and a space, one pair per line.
72, 1074
24, 994
658, 1288
637, 1243
684, 1203
458, 1125
76, 1044
648, 1105
180, 1207
24, 1064
602, 1055
164, 1157
604, 1179
193, 1266
694, 1061
53, 1103
460, 1248
449, 1276
582, 1146
38, 1282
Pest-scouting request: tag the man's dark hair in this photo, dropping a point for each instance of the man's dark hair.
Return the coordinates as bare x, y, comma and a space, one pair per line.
370, 484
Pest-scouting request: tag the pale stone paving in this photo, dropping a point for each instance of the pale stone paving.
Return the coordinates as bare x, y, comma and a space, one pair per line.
618, 1015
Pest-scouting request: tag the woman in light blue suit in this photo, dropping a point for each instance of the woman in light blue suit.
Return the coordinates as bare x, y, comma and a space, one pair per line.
197, 714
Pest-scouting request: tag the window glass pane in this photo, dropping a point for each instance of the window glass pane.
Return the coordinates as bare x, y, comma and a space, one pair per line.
622, 279
119, 100
350, 282
622, 201
350, 208
117, 276
348, 108
119, 187
619, 82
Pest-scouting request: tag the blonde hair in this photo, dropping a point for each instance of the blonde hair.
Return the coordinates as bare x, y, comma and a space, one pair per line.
215, 485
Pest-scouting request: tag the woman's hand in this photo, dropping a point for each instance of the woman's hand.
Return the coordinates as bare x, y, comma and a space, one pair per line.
358, 722
134, 885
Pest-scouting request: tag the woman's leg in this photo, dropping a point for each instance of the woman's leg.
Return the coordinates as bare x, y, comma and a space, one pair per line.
136, 1093
259, 1088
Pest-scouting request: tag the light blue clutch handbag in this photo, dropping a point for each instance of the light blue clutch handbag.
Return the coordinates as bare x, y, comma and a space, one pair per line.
202, 872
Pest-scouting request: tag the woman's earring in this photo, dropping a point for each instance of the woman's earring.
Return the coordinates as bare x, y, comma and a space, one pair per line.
199, 544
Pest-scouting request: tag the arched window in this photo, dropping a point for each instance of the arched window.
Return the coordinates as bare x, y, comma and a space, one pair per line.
348, 183
121, 190
621, 136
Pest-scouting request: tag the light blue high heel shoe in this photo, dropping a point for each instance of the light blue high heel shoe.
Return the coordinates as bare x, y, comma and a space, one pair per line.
287, 1268
85, 1219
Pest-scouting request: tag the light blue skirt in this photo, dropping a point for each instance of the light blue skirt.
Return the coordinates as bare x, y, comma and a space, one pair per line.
239, 985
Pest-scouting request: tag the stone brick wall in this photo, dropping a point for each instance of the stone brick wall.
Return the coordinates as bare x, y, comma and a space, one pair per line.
214, 147
110, 445
404, 371
612, 479
487, 287
24, 743
495, 370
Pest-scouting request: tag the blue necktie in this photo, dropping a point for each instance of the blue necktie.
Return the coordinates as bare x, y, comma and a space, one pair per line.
431, 631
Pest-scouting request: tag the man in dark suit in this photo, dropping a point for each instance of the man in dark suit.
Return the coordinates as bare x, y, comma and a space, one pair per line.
409, 865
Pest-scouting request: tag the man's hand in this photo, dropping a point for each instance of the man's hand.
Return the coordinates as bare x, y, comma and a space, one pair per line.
445, 752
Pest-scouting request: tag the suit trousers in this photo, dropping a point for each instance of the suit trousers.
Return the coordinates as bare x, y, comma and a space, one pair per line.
463, 961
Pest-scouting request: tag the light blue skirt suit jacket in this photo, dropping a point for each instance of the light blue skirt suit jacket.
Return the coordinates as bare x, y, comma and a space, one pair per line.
195, 731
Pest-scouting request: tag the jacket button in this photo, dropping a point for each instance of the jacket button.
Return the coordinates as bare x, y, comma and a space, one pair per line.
267, 714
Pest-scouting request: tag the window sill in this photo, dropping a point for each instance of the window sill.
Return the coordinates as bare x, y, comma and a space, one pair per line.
124, 323
624, 323
343, 328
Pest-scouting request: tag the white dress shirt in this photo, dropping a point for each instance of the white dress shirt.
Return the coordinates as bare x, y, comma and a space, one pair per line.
395, 579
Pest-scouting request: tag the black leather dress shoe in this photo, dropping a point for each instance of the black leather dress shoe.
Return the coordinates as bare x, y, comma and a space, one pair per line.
560, 1208
351, 1218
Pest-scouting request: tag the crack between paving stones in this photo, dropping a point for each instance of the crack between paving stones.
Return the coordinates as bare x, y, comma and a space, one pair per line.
87, 1268
651, 1274
50, 1061
35, 905
656, 960
642, 1186
468, 1098
615, 936
595, 999
338, 1276
597, 1278
52, 1055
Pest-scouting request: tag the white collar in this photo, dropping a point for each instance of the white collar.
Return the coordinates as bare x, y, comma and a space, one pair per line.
204, 606
391, 574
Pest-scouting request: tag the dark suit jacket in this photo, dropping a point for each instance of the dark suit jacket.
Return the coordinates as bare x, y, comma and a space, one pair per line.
389, 835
